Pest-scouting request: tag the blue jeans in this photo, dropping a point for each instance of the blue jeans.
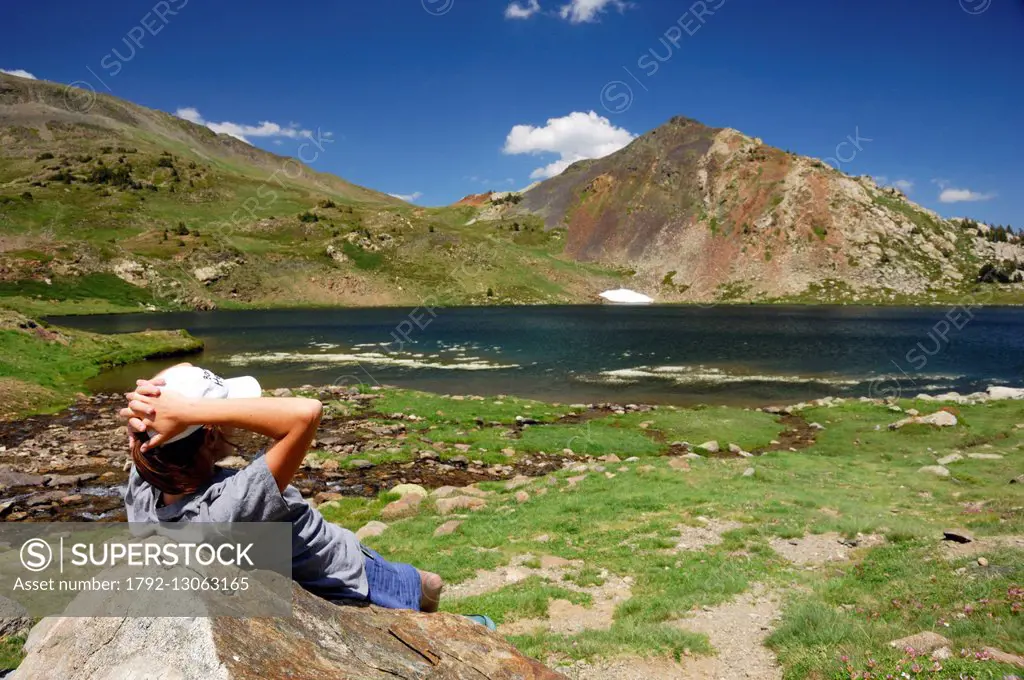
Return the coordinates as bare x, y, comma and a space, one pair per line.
393, 585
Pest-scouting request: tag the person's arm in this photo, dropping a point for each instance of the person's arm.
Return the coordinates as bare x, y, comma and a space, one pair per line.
291, 423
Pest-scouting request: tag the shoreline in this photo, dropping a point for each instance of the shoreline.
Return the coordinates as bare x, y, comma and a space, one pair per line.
694, 305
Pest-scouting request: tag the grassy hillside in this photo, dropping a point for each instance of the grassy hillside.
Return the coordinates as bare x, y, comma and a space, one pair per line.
42, 367
125, 208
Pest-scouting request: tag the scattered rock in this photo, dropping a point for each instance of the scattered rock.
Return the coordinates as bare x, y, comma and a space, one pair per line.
70, 480
448, 527
9, 478
749, 472
735, 448
982, 562
404, 490
951, 458
957, 535
282, 392
517, 482
407, 506
938, 419
360, 464
816, 426
1000, 656
710, 447
923, 642
543, 538
522, 496
997, 393
985, 456
446, 506
678, 463
327, 497
473, 491
371, 529
573, 481
936, 470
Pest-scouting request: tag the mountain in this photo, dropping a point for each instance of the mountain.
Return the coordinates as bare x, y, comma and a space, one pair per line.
704, 213
109, 206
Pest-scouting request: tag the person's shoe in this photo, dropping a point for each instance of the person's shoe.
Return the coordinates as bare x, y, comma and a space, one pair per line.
483, 620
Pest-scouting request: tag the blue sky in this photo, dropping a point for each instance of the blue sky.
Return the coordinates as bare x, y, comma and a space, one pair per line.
423, 97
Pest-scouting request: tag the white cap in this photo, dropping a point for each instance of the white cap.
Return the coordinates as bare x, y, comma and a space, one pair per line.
194, 382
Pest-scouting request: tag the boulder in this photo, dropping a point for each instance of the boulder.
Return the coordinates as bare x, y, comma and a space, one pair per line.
404, 490
11, 478
407, 506
938, 419
446, 506
1000, 393
448, 528
371, 529
923, 642
321, 640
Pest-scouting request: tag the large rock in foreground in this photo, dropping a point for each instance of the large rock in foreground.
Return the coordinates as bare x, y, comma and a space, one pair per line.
321, 640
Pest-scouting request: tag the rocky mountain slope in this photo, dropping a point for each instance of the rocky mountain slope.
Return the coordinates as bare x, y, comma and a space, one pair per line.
705, 213
109, 206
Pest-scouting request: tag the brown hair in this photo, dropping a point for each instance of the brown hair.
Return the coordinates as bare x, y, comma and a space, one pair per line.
184, 466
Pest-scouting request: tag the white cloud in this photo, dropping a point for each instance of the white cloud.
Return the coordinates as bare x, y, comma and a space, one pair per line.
518, 10
242, 132
408, 198
951, 195
575, 137
583, 11
21, 73
904, 185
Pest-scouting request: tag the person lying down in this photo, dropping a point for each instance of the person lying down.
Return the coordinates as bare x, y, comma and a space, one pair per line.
177, 422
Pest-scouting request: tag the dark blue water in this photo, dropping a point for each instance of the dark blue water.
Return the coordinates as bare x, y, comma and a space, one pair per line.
661, 354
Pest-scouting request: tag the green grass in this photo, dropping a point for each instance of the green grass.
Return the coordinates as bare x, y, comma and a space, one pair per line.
900, 588
105, 287
59, 365
859, 477
11, 652
527, 599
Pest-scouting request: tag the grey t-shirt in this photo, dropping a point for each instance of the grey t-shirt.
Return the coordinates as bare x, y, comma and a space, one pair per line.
327, 560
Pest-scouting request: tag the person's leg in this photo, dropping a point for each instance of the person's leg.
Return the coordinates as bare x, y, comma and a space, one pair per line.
401, 586
430, 585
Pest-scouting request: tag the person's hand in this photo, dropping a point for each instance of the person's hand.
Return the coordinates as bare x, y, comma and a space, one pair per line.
168, 413
135, 424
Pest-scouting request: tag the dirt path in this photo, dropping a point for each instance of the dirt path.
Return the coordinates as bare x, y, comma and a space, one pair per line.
737, 631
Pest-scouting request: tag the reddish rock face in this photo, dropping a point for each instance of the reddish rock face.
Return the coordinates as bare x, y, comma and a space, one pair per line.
698, 212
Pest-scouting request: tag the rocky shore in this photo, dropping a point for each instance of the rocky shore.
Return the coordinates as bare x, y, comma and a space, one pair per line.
73, 465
